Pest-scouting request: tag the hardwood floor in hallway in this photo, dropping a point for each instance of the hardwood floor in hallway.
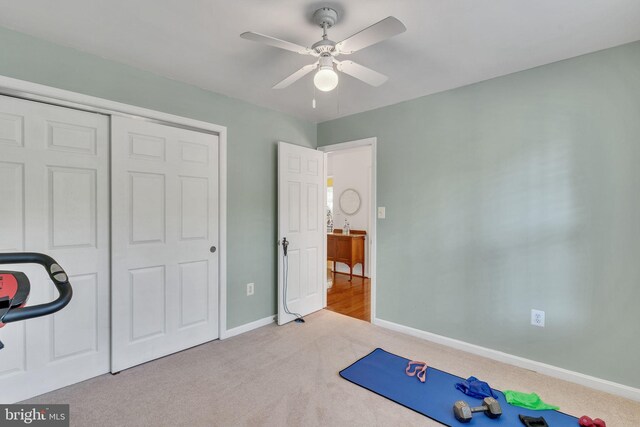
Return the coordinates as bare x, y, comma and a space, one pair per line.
350, 298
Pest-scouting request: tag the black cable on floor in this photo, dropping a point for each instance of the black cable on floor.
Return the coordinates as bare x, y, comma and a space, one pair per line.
285, 270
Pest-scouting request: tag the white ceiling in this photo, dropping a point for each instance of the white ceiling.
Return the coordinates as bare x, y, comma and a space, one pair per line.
448, 43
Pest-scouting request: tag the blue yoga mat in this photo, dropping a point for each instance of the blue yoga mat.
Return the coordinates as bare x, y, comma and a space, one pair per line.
383, 373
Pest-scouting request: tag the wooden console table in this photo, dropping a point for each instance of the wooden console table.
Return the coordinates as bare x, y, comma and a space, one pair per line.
346, 248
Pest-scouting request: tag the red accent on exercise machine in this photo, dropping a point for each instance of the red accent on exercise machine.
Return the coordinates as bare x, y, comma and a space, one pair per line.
14, 291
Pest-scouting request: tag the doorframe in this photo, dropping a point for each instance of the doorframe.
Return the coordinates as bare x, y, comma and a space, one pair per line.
373, 241
41, 93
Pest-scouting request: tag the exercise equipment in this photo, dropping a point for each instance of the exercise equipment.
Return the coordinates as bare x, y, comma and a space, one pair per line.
475, 388
533, 421
15, 288
418, 369
527, 400
586, 421
464, 412
383, 373
285, 280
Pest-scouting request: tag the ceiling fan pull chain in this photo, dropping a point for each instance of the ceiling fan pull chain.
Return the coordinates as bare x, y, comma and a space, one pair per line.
313, 103
338, 95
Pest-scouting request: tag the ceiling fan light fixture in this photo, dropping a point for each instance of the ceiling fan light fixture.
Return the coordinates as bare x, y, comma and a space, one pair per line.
326, 79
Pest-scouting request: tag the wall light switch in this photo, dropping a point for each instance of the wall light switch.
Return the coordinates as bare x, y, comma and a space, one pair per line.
250, 289
381, 212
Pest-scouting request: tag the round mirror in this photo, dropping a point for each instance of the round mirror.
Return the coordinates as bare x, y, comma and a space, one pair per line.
350, 201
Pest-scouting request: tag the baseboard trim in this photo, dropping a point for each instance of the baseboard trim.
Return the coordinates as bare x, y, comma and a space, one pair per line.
248, 327
543, 368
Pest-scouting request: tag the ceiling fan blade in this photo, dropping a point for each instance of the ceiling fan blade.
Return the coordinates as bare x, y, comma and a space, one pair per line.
361, 72
296, 76
376, 33
272, 41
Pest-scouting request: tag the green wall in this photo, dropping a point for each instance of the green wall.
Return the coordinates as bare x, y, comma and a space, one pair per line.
516, 193
251, 158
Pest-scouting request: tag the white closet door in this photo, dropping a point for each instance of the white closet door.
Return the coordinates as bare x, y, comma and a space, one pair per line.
54, 199
165, 220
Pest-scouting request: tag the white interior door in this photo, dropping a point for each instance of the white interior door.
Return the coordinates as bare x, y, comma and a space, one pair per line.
54, 198
165, 220
301, 221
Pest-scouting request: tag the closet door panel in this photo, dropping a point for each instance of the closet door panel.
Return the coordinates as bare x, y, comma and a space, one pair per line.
165, 219
55, 193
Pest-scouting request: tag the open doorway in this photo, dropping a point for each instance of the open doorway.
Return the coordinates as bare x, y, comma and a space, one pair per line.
350, 223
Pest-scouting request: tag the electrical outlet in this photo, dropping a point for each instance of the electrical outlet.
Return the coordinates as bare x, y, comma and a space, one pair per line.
381, 212
250, 289
537, 318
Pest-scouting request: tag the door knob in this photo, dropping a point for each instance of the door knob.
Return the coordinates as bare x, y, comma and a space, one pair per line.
212, 249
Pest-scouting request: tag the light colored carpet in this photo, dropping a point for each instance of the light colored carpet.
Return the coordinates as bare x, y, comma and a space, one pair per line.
288, 376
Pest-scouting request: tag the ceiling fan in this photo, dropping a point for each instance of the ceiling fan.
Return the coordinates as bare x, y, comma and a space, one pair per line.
326, 78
